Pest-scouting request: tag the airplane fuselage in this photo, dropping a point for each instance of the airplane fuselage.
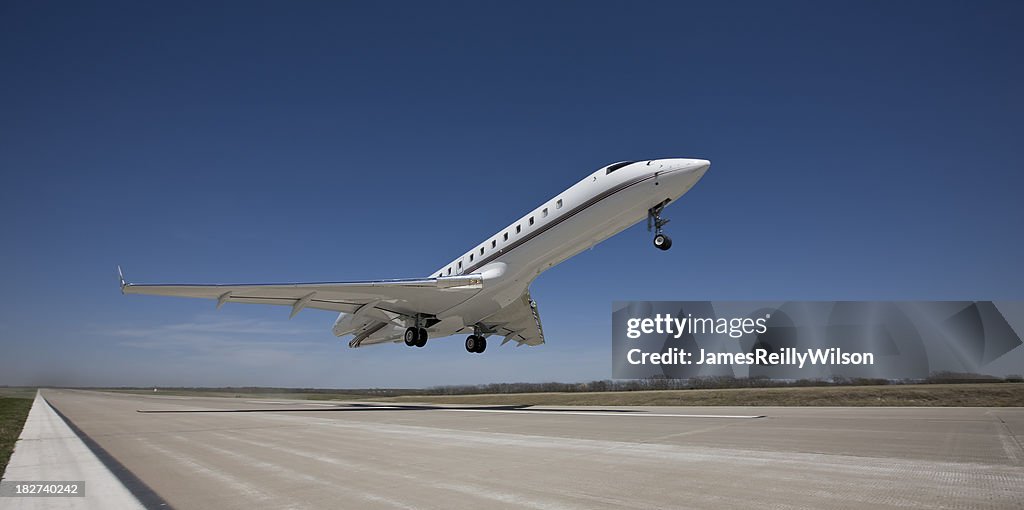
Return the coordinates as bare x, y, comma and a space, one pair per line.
597, 207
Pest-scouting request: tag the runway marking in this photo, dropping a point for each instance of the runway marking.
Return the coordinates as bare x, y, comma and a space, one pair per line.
48, 449
289, 403
350, 466
602, 413
554, 412
493, 494
225, 480
887, 479
487, 492
1010, 445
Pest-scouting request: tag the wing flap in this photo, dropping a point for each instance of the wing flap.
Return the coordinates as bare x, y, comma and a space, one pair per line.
518, 322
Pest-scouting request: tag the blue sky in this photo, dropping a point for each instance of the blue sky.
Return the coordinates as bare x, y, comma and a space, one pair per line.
860, 150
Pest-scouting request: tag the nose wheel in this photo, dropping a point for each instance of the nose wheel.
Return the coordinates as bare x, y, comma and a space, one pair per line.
655, 222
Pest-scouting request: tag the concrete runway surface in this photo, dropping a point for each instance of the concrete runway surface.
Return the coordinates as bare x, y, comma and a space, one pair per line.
257, 453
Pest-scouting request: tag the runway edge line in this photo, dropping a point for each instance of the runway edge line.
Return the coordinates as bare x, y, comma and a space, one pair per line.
51, 447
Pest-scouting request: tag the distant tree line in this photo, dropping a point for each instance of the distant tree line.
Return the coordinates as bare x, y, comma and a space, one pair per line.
711, 382
649, 384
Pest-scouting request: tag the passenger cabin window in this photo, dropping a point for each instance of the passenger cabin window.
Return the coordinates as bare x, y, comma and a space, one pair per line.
471, 257
519, 229
481, 250
616, 166
449, 271
460, 265
506, 236
494, 243
531, 220
544, 213
558, 205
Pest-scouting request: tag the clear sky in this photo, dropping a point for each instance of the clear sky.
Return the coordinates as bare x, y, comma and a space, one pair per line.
860, 150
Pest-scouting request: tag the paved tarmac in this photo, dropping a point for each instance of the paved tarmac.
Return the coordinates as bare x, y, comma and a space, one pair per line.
201, 452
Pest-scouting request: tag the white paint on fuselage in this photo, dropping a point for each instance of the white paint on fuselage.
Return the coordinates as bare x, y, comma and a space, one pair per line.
583, 220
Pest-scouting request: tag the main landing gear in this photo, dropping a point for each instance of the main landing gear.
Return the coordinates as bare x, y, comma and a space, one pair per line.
476, 343
415, 337
654, 219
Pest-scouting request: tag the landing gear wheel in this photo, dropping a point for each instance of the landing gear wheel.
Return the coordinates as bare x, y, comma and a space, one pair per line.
662, 242
421, 337
481, 345
412, 336
655, 222
471, 343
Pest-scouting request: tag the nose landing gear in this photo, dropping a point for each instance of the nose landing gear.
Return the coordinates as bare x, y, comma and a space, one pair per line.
654, 219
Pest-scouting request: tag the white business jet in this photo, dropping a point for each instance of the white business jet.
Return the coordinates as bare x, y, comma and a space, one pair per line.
485, 291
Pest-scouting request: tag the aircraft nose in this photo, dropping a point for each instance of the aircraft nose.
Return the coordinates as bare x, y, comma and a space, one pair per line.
690, 166
699, 166
687, 165
681, 174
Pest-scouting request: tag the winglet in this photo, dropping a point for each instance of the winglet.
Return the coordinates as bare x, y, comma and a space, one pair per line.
120, 276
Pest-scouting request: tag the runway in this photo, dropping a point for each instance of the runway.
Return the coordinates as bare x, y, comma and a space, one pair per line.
250, 453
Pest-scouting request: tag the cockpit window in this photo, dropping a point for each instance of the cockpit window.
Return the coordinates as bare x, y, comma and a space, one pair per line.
616, 166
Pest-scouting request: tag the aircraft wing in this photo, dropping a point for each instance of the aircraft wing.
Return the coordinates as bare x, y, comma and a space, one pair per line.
398, 297
518, 322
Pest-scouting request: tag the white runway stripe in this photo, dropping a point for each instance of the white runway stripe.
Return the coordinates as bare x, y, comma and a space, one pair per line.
289, 403
603, 413
49, 450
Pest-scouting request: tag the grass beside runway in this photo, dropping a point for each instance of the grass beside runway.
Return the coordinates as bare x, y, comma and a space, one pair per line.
13, 411
17, 392
919, 395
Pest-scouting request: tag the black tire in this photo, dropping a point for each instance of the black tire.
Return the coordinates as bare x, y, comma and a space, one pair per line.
421, 338
662, 242
411, 337
471, 343
482, 345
